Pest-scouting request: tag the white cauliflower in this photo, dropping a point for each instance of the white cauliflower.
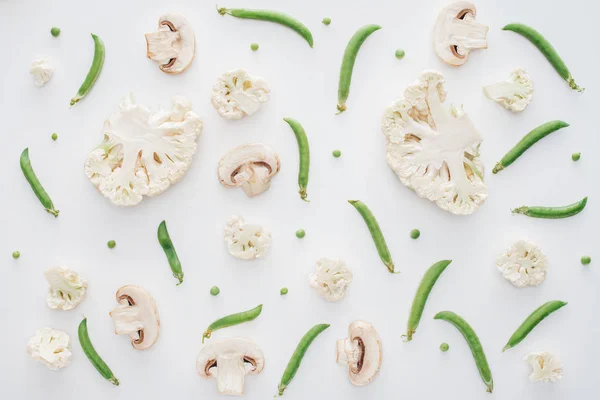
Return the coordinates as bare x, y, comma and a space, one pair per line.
246, 241
546, 367
435, 151
41, 71
67, 289
331, 278
514, 94
50, 347
523, 264
143, 152
237, 94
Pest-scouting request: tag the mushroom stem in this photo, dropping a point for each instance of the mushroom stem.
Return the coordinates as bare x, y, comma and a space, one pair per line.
348, 352
127, 321
230, 373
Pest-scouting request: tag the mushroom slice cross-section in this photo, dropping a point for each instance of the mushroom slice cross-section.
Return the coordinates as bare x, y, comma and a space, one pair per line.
229, 361
173, 46
361, 351
136, 316
251, 166
456, 33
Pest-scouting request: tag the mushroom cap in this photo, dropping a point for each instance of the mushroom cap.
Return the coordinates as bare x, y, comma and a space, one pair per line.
362, 352
148, 315
250, 166
254, 359
176, 37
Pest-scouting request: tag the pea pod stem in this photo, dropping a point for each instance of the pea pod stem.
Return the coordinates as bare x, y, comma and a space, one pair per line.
167, 245
552, 212
304, 152
35, 184
537, 316
93, 73
231, 320
528, 140
92, 355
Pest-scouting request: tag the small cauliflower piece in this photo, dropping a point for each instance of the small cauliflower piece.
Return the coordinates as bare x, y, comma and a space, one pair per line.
523, 264
514, 94
331, 278
237, 94
41, 71
546, 367
246, 241
144, 152
435, 151
67, 289
50, 347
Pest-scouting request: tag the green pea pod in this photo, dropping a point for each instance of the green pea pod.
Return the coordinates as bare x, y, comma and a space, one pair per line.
231, 320
552, 212
167, 245
93, 73
92, 355
304, 152
35, 184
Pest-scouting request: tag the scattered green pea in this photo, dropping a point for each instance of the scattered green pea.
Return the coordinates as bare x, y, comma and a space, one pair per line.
254, 46
55, 31
336, 153
300, 233
575, 156
111, 244
54, 136
215, 290
400, 54
585, 260
283, 291
17, 254
326, 21
444, 347
415, 233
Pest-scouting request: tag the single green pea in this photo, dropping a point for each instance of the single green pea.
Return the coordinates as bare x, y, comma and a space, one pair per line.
54, 136
326, 21
400, 54
585, 260
300, 233
415, 233
254, 46
17, 254
575, 156
283, 291
336, 153
55, 31
215, 290
111, 244
444, 347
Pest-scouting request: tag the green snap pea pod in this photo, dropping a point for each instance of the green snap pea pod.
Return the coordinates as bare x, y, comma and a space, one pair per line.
429, 279
348, 61
92, 355
547, 50
552, 212
35, 184
94, 71
270, 16
167, 245
474, 344
296, 359
532, 321
376, 234
231, 320
528, 140
304, 151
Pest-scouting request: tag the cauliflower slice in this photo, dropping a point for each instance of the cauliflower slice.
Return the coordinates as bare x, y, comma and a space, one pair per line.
523, 264
143, 152
246, 241
546, 367
50, 347
331, 278
514, 94
433, 151
237, 94
41, 71
67, 289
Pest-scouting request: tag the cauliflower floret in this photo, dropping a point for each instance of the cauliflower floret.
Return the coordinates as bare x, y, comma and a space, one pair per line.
67, 289
50, 347
433, 151
546, 367
331, 278
41, 71
143, 152
246, 241
237, 94
523, 264
514, 94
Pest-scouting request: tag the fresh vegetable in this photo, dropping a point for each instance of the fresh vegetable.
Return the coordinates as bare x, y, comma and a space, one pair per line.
16, 254
246, 241
361, 352
54, 136
336, 153
67, 289
92, 355
214, 291
254, 46
444, 347
585, 260
54, 31
400, 54
167, 245
173, 46
304, 151
523, 264
41, 70
326, 21
575, 156
415, 234
232, 320
515, 94
300, 233
330, 279
546, 367
93, 73
35, 184
552, 212
111, 244
237, 94
50, 347
283, 291
136, 316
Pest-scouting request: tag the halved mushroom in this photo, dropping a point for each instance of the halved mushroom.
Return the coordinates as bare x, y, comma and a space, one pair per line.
136, 316
229, 361
361, 351
251, 166
173, 46
456, 33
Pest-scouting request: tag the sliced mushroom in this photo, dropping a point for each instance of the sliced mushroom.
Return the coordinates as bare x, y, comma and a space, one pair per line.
229, 361
456, 33
361, 351
136, 316
251, 166
174, 45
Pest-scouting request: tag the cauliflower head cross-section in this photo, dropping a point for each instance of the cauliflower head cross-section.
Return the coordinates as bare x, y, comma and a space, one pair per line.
546, 367
515, 94
50, 347
143, 152
67, 289
237, 94
246, 241
435, 151
331, 278
523, 264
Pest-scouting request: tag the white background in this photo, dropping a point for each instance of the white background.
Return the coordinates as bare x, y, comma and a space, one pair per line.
304, 86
